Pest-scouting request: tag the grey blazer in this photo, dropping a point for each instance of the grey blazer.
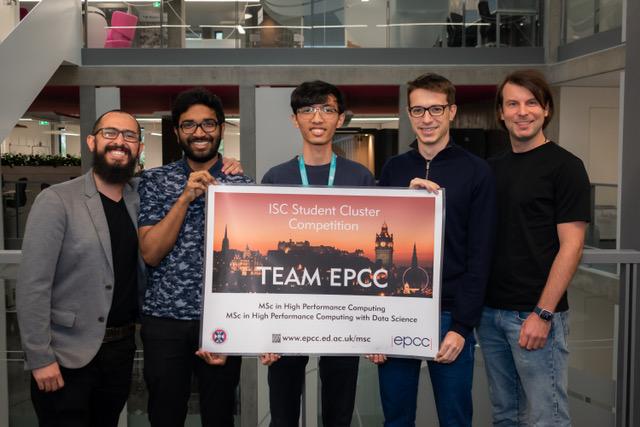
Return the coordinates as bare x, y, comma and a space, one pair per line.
65, 280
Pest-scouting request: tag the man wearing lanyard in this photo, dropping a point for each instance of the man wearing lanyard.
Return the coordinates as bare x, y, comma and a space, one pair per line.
318, 110
468, 239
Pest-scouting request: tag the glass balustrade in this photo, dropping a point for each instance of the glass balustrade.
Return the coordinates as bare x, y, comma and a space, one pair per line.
584, 18
313, 23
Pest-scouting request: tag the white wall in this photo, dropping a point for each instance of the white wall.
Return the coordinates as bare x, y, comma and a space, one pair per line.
29, 140
589, 128
73, 142
152, 144
32, 139
9, 18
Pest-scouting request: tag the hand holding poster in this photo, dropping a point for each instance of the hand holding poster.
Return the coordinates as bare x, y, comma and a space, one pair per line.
295, 270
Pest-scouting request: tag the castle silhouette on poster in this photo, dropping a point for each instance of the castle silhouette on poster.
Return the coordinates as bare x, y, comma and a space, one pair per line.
292, 266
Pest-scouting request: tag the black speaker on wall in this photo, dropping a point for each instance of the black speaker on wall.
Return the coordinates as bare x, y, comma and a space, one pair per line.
385, 146
171, 150
472, 140
497, 142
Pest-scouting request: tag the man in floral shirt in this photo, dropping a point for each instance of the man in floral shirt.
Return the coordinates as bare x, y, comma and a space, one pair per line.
171, 232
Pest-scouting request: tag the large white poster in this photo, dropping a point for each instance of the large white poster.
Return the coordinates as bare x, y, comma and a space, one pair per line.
309, 270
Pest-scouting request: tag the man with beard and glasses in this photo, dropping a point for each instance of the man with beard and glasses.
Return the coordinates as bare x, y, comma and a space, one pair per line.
77, 284
171, 235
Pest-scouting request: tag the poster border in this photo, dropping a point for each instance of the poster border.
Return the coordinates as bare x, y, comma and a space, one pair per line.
438, 233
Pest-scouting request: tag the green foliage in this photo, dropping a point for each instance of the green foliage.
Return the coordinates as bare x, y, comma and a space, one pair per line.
38, 160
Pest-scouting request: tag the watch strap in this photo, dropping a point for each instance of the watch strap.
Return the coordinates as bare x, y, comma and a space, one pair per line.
543, 314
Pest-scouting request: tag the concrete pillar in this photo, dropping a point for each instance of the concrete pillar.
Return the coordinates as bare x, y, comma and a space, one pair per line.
248, 129
628, 407
176, 15
277, 140
553, 28
630, 149
94, 101
405, 133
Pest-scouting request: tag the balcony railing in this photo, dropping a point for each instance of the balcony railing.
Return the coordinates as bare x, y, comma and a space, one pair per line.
584, 18
313, 23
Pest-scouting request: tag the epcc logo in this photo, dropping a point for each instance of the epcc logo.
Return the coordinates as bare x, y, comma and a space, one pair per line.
406, 341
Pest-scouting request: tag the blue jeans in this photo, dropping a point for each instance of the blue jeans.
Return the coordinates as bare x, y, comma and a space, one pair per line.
526, 387
451, 386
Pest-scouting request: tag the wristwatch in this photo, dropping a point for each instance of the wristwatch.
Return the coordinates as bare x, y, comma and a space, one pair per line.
545, 315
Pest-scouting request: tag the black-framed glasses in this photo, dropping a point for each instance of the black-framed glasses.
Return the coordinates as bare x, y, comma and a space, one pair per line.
207, 126
434, 110
324, 110
112, 133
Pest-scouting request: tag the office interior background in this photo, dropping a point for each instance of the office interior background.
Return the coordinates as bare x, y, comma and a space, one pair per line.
64, 62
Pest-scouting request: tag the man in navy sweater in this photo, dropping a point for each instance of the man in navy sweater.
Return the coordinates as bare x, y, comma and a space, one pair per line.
317, 111
437, 162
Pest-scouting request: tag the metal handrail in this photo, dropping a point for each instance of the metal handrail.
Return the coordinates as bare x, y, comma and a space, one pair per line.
611, 256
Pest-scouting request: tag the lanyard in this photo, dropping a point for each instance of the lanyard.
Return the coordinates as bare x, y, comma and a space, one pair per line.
303, 171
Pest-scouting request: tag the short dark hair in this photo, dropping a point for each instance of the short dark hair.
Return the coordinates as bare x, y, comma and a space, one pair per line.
434, 83
97, 124
196, 96
535, 82
315, 92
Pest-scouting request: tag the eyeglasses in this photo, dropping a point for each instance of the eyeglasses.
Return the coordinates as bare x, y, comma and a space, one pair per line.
434, 110
207, 126
324, 110
112, 133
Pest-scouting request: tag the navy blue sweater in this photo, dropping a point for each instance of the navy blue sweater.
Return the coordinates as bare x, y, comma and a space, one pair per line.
470, 221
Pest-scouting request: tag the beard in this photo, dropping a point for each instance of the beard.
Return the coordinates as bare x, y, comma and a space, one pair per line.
200, 157
114, 174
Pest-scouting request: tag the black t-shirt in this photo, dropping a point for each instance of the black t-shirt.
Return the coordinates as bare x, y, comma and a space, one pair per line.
124, 251
536, 191
348, 174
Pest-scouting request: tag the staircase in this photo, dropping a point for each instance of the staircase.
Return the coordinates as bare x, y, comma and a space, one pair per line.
50, 35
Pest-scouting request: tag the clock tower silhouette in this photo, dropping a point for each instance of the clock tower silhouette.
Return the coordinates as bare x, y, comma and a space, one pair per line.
384, 247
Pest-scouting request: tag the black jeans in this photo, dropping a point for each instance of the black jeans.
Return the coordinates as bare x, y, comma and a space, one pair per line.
170, 361
339, 377
93, 395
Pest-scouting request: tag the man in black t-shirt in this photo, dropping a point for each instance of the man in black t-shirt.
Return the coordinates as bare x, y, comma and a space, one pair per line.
77, 286
543, 198
318, 110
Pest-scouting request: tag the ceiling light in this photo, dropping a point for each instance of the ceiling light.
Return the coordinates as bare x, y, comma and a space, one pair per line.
248, 16
240, 29
61, 132
419, 24
219, 26
222, 1
132, 27
342, 26
290, 27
